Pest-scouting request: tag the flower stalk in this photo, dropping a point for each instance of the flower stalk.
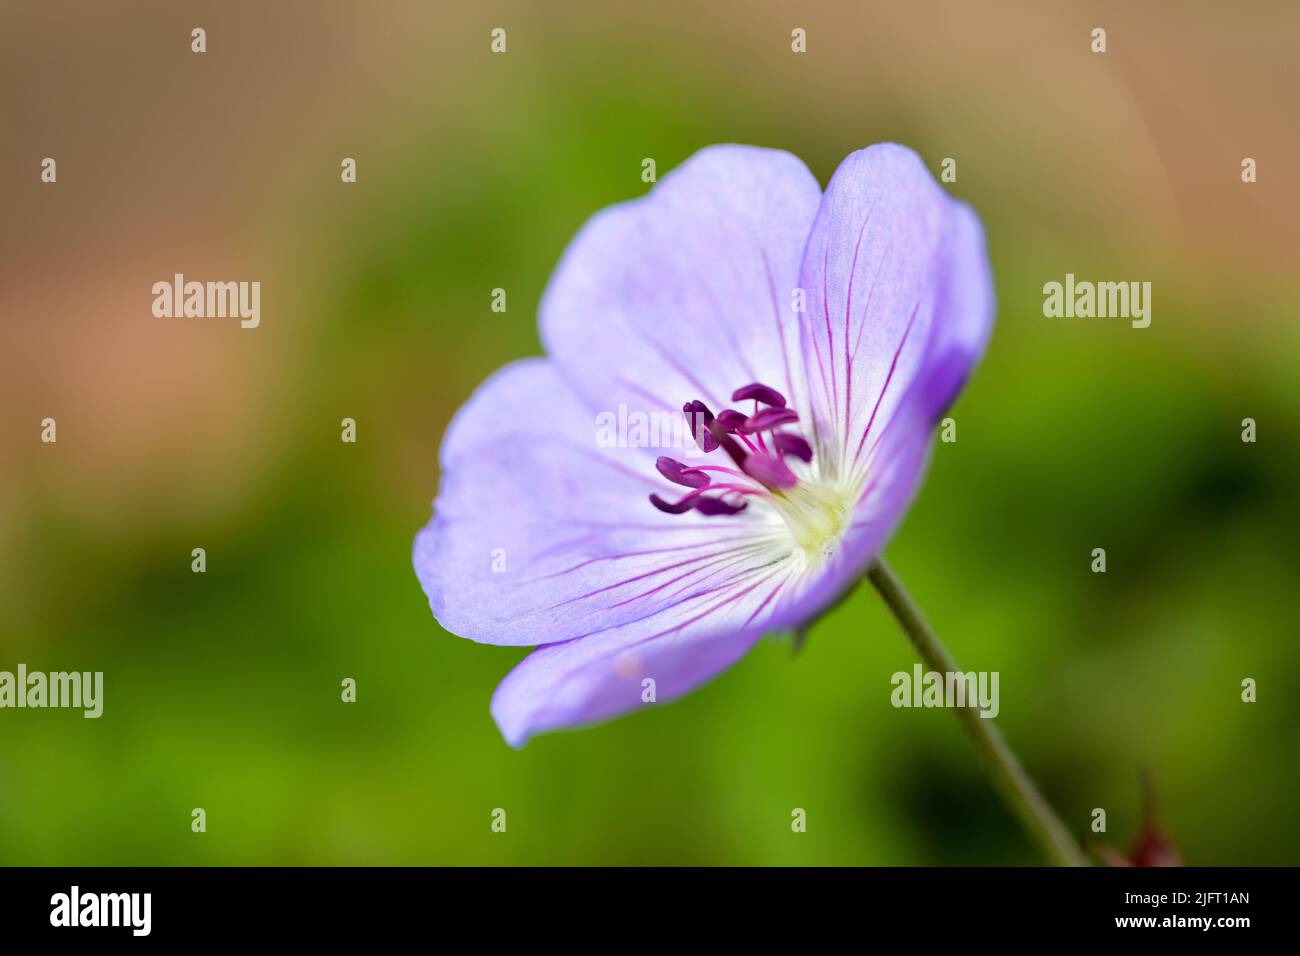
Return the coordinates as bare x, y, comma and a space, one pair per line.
1010, 779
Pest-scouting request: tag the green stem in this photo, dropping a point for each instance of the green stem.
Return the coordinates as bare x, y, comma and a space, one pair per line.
1008, 776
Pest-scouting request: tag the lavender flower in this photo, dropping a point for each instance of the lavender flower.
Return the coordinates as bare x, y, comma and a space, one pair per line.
811, 343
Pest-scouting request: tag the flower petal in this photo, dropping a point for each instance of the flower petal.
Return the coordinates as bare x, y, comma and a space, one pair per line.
686, 293
964, 307
540, 535
580, 682
900, 452
897, 279
601, 675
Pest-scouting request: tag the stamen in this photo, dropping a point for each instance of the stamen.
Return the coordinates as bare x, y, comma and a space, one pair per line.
772, 472
731, 420
761, 468
679, 474
675, 507
722, 469
759, 393
793, 445
734, 451
698, 419
705, 506
716, 506
767, 419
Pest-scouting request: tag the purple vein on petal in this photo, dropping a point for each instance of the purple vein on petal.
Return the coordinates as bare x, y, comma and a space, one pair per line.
848, 324
665, 526
731, 599
737, 562
680, 369
634, 578
677, 627
703, 592
648, 395
569, 544
871, 294
662, 610
776, 318
728, 332
809, 337
730, 570
830, 336
888, 378
571, 676
621, 556
727, 562
641, 477
773, 593
727, 566
735, 582
866, 462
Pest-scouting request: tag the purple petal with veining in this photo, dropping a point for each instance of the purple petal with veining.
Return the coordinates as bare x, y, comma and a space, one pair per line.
882, 300
686, 293
540, 536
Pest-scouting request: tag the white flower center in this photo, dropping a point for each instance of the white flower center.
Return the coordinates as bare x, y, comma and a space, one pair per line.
816, 516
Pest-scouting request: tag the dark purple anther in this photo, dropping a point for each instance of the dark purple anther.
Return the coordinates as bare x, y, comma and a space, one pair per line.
698, 418
716, 506
674, 507
763, 465
767, 419
679, 474
788, 444
731, 420
705, 506
759, 393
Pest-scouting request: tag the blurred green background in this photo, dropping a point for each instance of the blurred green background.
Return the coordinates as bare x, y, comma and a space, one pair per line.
474, 171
